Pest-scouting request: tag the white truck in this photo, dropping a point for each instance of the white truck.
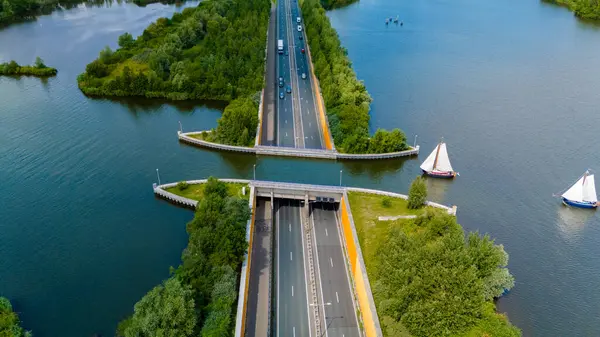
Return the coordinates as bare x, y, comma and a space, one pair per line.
280, 46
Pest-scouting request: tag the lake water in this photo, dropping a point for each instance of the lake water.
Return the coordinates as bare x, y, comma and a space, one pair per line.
511, 85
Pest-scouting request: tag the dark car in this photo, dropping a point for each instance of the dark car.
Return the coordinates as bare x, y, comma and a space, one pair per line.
281, 95
281, 82
288, 89
301, 37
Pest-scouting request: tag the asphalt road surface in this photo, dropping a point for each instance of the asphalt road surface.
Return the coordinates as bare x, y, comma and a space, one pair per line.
298, 123
340, 314
291, 300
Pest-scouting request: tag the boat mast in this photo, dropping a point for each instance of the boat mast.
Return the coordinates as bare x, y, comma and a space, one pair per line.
437, 154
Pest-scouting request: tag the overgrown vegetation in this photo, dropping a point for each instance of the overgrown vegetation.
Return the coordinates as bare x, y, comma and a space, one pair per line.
19, 10
39, 69
199, 299
213, 52
427, 279
346, 98
585, 9
9, 321
331, 4
417, 194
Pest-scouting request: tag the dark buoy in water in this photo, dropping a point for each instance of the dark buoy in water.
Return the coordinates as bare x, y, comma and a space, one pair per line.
401, 23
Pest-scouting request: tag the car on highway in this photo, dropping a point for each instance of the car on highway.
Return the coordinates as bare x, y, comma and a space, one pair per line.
281, 82
288, 89
302, 50
299, 28
300, 37
303, 76
281, 95
298, 20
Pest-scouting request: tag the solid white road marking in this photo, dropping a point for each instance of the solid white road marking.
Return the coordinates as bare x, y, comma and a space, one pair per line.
336, 295
331, 260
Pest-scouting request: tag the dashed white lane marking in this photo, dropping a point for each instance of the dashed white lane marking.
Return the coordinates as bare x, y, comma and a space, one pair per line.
294, 331
290, 227
286, 121
293, 293
331, 260
336, 295
326, 234
286, 134
290, 256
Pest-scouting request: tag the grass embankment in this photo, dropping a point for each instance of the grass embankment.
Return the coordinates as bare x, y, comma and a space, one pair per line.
584, 9
199, 298
39, 69
427, 280
346, 98
332, 4
215, 51
196, 191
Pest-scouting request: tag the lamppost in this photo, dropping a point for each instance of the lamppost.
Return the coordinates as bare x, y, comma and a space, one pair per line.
254, 171
340, 178
180, 127
158, 176
415, 144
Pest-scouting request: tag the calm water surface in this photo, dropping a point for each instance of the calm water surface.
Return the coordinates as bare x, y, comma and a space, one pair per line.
511, 85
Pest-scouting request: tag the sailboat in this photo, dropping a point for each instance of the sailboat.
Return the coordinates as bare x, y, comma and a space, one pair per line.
583, 193
438, 164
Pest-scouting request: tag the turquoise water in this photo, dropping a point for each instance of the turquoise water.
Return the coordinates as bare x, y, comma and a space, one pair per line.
511, 86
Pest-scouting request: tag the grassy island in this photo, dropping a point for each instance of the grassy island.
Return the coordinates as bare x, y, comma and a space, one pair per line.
584, 9
199, 299
215, 51
39, 69
427, 278
196, 191
346, 98
9, 321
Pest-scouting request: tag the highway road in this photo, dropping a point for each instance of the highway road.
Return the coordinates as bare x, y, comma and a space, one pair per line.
297, 119
338, 304
291, 301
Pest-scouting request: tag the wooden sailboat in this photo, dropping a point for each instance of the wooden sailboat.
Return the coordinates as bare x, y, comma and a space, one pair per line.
438, 164
583, 193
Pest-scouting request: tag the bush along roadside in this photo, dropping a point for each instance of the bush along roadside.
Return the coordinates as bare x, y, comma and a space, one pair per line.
346, 98
215, 51
199, 298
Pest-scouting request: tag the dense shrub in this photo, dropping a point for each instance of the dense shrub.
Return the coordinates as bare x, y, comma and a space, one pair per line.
9, 321
38, 69
417, 195
585, 9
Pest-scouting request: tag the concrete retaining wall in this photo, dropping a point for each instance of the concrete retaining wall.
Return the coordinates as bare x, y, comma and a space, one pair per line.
412, 151
185, 137
240, 317
450, 210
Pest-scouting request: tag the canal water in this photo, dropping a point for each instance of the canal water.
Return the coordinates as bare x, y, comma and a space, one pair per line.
510, 85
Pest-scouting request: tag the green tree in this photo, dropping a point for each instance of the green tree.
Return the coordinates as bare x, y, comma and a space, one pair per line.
126, 40
166, 310
417, 195
9, 321
238, 123
39, 63
106, 55
218, 322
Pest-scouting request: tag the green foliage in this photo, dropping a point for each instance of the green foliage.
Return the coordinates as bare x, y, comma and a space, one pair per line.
585, 9
429, 282
9, 321
207, 277
331, 4
238, 124
166, 310
214, 51
346, 98
39, 69
182, 185
386, 202
417, 195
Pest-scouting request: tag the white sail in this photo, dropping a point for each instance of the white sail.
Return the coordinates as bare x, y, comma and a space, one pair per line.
443, 162
428, 163
583, 190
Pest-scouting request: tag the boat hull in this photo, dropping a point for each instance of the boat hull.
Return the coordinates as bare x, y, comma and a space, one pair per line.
445, 175
579, 204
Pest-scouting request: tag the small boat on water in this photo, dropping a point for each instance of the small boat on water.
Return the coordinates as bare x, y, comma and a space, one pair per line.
438, 164
396, 19
583, 193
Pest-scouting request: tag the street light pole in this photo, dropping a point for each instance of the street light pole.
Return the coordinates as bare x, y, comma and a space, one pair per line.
254, 171
180, 127
415, 145
158, 176
340, 177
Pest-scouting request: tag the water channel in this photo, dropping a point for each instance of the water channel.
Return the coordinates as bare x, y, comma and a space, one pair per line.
511, 85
